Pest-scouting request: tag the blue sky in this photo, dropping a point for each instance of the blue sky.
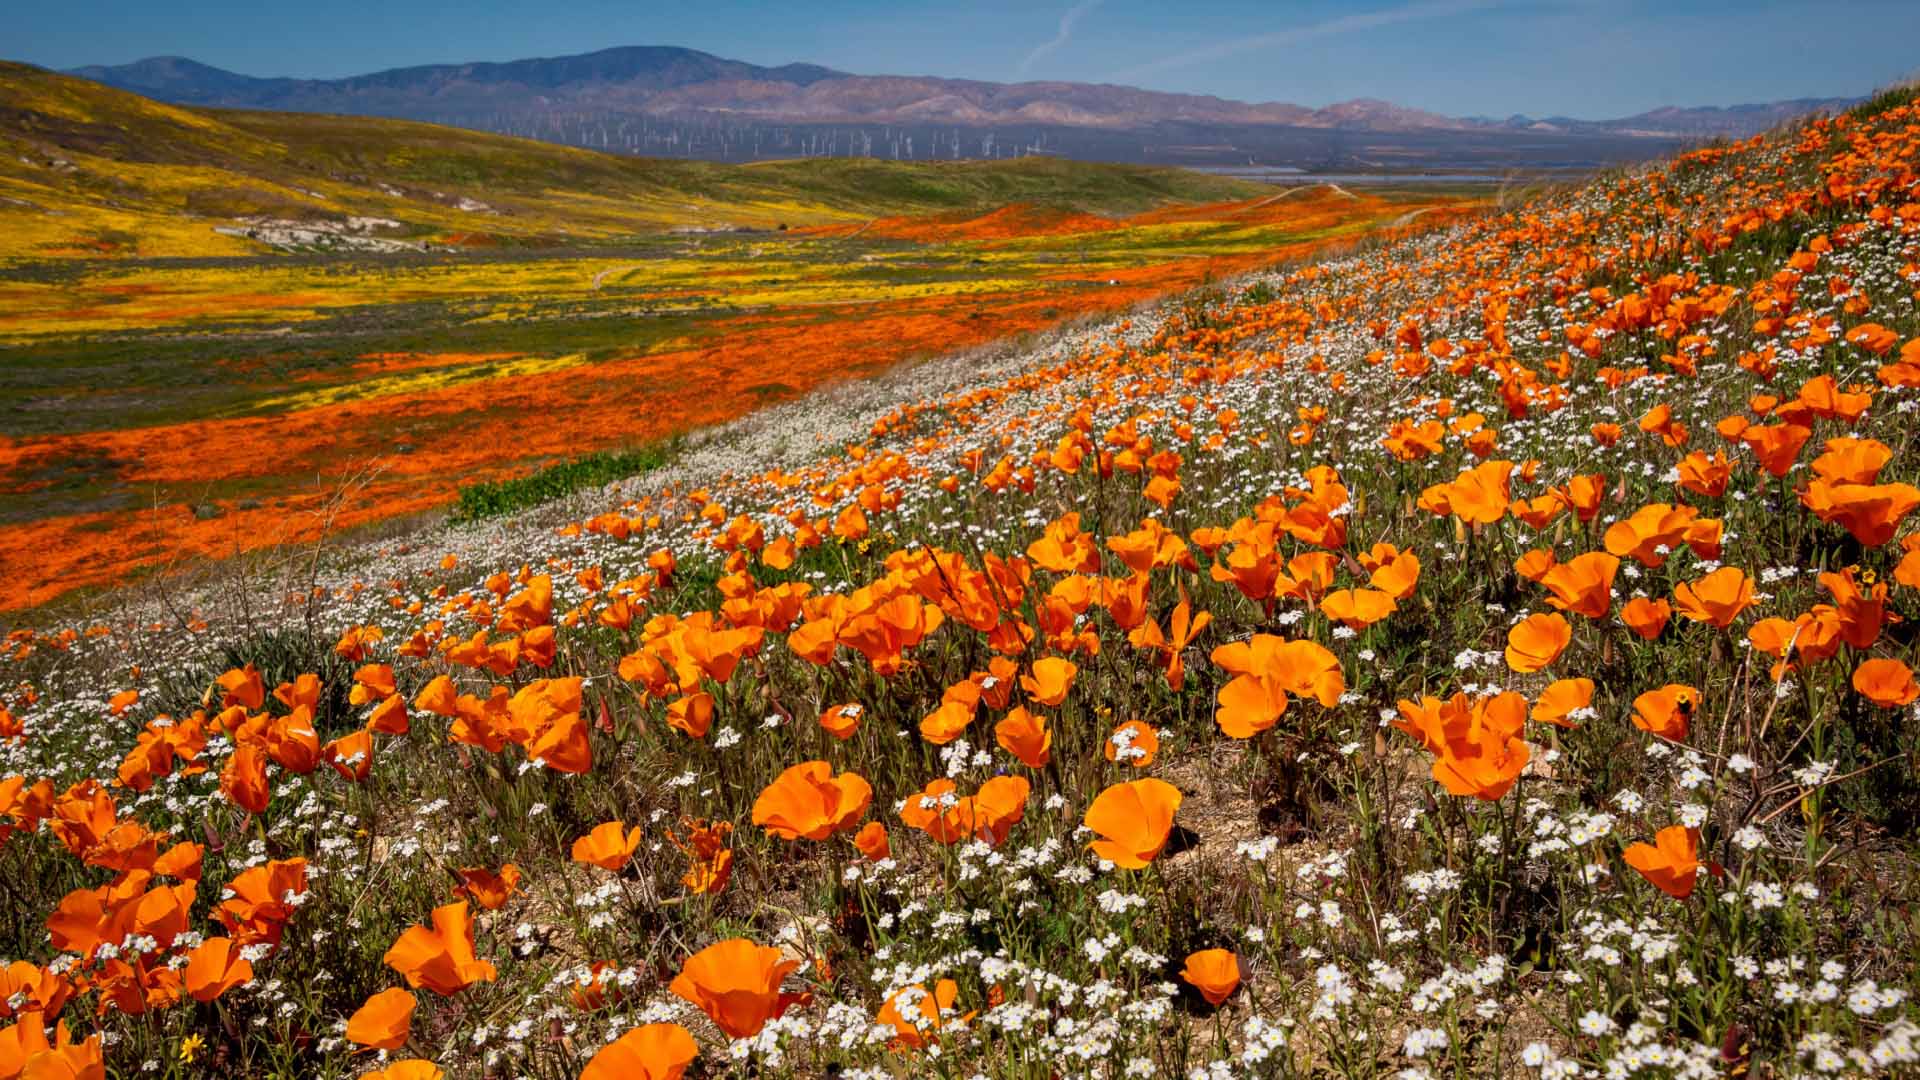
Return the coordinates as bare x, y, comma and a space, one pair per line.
1586, 58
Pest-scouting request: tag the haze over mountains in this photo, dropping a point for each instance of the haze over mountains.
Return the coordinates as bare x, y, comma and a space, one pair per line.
677, 102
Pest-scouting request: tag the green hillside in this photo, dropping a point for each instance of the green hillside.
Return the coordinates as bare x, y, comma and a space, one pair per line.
88, 170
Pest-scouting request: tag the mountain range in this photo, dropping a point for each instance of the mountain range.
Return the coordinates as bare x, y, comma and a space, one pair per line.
667, 101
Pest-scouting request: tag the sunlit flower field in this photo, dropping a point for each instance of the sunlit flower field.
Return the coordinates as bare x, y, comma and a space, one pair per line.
182, 410
1487, 654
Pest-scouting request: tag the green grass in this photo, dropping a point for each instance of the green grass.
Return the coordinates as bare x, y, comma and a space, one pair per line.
496, 498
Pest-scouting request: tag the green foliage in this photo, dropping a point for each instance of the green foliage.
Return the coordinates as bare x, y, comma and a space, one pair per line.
493, 498
1885, 101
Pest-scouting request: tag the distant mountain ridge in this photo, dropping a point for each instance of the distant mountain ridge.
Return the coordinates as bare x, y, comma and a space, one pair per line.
683, 102
1705, 121
645, 68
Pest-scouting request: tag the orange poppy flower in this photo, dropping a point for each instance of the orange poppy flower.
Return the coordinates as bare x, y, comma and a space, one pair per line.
737, 984
244, 779
1397, 575
544, 716
711, 862
1538, 512
958, 706
1667, 711
691, 715
1583, 585
303, 690
1213, 972
1646, 618
1052, 678
1872, 513
1358, 608
1671, 862
872, 841
1476, 744
491, 889
884, 634
438, 697
1253, 566
1652, 532
1133, 743
440, 957
214, 968
1150, 547
649, 1052
1309, 575
26, 1052
1887, 683
243, 686
1859, 613
996, 685
851, 525
1776, 446
384, 1022
987, 815
1534, 564
808, 801
1133, 821
842, 721
35, 988
1850, 460
1537, 641
1583, 495
915, 1014
1705, 475
1479, 496
351, 755
1182, 627
1561, 699
1822, 396
371, 683
608, 846
1776, 637
263, 901
292, 742
389, 717
1025, 736
1717, 599
1874, 338
1064, 549
1267, 668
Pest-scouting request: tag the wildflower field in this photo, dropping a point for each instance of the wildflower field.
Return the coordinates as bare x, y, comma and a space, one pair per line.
181, 392
1482, 654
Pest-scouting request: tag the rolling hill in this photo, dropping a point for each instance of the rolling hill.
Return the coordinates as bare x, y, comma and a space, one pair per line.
87, 169
675, 102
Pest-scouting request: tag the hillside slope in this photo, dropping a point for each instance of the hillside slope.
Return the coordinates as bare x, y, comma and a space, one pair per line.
85, 169
1487, 654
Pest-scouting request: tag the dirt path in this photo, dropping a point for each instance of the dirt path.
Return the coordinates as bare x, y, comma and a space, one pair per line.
602, 275
1271, 199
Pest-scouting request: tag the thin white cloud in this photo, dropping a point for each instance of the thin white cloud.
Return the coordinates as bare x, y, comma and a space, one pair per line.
1344, 24
1074, 14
